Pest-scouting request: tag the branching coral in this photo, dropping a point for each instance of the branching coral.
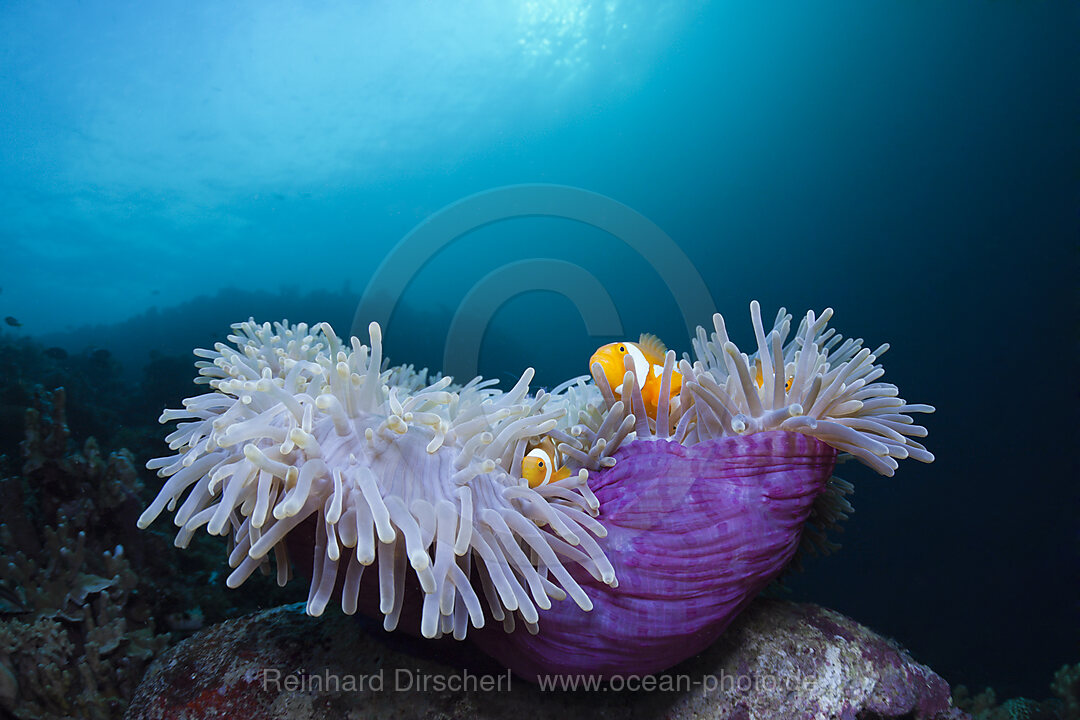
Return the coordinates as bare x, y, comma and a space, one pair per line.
73, 649
75, 633
1065, 704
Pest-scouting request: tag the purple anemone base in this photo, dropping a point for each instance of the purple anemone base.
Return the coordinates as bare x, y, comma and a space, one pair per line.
694, 534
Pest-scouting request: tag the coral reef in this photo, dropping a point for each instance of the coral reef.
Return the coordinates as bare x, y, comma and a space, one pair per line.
1066, 687
85, 597
79, 601
83, 641
76, 631
94, 384
104, 400
1064, 705
102, 408
779, 660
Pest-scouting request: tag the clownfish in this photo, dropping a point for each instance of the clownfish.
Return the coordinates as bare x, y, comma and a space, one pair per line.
540, 465
648, 365
760, 379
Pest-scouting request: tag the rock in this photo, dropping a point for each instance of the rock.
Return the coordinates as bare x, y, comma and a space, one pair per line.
778, 660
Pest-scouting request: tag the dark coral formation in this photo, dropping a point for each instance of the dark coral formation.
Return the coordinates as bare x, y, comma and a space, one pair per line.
119, 407
1066, 687
778, 660
86, 597
1064, 705
94, 386
77, 627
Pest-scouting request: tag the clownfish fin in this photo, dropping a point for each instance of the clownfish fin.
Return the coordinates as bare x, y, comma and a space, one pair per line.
652, 348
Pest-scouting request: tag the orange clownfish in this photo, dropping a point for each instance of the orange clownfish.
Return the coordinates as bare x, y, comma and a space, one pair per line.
648, 365
540, 465
759, 378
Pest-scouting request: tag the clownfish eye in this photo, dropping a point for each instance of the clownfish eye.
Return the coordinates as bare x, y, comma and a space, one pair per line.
540, 464
622, 348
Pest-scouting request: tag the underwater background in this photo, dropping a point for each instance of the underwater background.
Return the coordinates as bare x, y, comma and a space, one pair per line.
168, 170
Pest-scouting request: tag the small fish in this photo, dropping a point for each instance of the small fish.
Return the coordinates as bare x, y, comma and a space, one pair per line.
648, 367
540, 465
186, 621
12, 321
760, 379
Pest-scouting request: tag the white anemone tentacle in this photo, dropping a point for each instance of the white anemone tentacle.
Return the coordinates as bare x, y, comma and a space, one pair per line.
424, 476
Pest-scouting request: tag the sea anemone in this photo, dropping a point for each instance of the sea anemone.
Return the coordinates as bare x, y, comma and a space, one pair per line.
711, 499
299, 426
668, 525
818, 384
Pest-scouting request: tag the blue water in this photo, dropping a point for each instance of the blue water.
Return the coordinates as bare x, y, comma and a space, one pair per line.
912, 165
